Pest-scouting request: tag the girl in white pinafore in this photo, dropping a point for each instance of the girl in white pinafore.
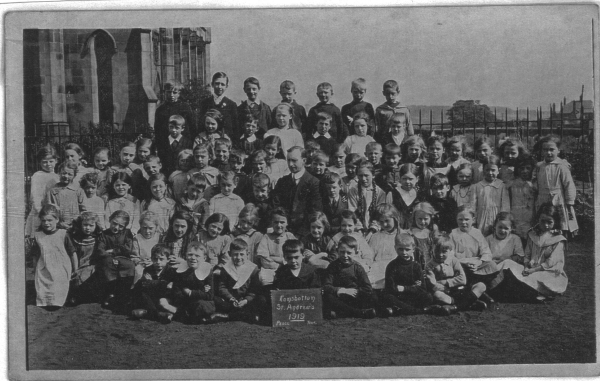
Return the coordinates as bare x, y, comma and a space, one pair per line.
554, 183
544, 256
41, 182
383, 243
55, 259
489, 196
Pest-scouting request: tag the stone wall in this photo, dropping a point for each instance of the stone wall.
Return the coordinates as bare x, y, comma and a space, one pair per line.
78, 76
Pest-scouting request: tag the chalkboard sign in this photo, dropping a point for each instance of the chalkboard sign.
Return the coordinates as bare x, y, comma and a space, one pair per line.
296, 307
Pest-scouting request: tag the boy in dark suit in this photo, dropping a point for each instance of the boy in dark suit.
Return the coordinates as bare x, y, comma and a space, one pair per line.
347, 289
169, 148
148, 291
258, 108
338, 128
287, 89
321, 136
238, 287
295, 273
219, 101
444, 205
173, 105
358, 90
297, 193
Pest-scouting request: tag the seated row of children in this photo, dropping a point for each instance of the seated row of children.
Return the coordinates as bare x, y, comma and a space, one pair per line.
209, 277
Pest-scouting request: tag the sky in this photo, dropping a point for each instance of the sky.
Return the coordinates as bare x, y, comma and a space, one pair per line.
513, 56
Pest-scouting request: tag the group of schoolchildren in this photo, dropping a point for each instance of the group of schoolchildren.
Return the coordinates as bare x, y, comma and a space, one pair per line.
200, 224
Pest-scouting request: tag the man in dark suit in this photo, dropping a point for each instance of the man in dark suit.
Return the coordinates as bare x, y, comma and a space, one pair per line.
168, 148
297, 193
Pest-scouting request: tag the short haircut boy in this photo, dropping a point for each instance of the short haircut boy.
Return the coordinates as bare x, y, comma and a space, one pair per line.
292, 246
287, 85
252, 81
349, 241
261, 180
372, 145
198, 180
204, 147
360, 83
154, 158
324, 116
443, 242
177, 118
218, 75
439, 180
238, 154
391, 84
198, 246
352, 159
325, 85
312, 145
331, 178
238, 244
184, 154
320, 157
160, 250
173, 84
404, 239
392, 149
223, 142
226, 176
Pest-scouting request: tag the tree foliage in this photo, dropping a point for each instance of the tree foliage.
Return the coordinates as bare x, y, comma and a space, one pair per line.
469, 113
194, 92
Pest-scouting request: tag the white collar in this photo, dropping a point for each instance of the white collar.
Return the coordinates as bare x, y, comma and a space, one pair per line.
496, 183
203, 270
249, 102
297, 176
317, 134
398, 139
171, 140
249, 139
218, 99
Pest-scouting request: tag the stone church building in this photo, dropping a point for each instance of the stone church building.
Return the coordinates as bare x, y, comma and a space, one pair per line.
77, 76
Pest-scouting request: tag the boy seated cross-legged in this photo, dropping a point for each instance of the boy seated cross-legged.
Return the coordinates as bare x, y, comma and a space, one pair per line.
347, 289
238, 287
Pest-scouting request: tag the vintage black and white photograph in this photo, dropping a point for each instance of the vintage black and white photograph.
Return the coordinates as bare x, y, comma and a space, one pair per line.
406, 190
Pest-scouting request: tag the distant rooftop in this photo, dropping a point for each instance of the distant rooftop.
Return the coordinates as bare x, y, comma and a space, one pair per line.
588, 106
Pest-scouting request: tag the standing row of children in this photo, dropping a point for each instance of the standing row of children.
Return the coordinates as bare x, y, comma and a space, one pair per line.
213, 240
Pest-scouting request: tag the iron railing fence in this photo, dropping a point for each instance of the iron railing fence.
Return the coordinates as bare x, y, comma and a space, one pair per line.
527, 125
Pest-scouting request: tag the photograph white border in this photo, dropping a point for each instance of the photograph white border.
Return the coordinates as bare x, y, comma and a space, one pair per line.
51, 15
